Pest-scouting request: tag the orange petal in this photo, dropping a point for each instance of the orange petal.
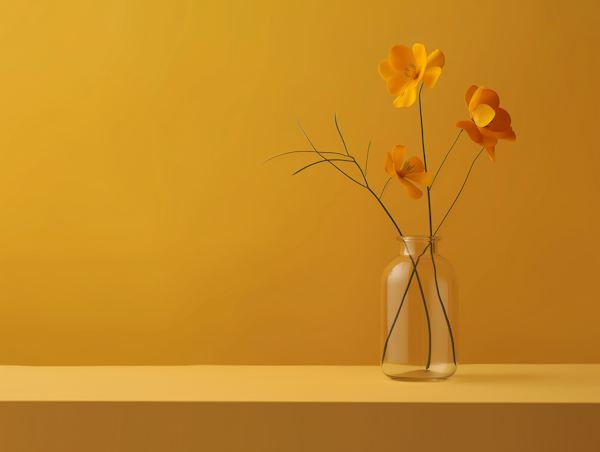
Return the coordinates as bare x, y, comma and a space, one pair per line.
401, 57
436, 59
398, 154
476, 95
483, 115
487, 141
431, 75
469, 94
406, 99
492, 151
510, 135
500, 122
471, 129
387, 71
416, 164
397, 85
420, 56
507, 134
412, 190
488, 97
424, 179
389, 165
415, 81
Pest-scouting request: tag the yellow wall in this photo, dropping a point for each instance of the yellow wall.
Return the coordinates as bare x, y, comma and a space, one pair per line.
138, 224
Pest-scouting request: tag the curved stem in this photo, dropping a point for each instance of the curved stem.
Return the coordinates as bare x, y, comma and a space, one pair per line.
444, 161
384, 187
386, 211
296, 152
390, 216
425, 158
367, 162
422, 132
414, 271
431, 227
322, 161
348, 153
435, 276
338, 129
325, 158
400, 306
442, 304
430, 221
407, 250
427, 317
361, 172
461, 189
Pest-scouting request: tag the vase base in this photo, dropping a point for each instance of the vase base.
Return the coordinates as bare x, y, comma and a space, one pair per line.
419, 376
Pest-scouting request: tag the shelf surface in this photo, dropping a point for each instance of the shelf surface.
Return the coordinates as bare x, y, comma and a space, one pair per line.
475, 383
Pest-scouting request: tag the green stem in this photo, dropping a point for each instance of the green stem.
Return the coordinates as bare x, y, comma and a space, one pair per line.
338, 129
400, 306
401, 236
444, 161
430, 223
386, 211
413, 263
433, 260
425, 158
431, 229
461, 189
367, 162
414, 267
297, 152
422, 131
322, 161
325, 158
442, 304
384, 187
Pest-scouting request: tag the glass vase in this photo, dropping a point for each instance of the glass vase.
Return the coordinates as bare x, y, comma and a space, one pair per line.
419, 315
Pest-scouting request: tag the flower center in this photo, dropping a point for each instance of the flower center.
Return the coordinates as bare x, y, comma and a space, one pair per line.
407, 168
410, 71
484, 127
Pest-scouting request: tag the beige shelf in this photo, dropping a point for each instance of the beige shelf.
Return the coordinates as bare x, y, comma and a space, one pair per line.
489, 383
297, 408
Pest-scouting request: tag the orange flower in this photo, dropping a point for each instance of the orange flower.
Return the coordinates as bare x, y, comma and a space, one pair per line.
405, 68
412, 169
488, 121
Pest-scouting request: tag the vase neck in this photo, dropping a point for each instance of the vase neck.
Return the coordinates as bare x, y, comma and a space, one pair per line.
415, 245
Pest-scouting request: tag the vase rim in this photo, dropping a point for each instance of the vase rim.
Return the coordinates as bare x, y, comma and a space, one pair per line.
420, 238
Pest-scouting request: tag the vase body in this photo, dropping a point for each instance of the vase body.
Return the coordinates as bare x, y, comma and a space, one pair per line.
419, 313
